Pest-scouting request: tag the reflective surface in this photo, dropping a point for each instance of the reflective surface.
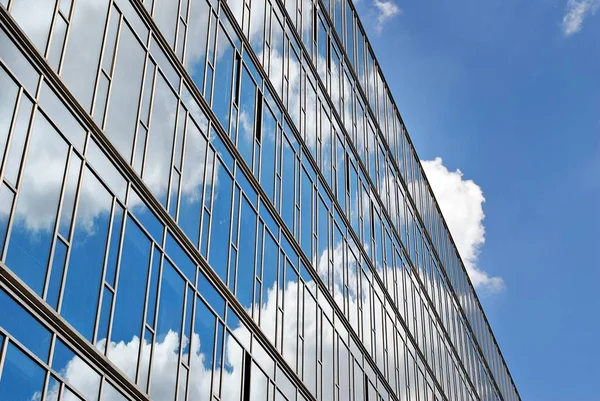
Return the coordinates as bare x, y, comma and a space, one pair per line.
225, 206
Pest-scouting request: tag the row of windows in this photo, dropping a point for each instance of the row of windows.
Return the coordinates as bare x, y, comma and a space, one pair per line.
65, 252
151, 154
363, 65
309, 137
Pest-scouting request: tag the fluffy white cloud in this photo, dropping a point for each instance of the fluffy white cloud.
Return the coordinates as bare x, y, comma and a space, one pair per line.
386, 10
461, 202
576, 12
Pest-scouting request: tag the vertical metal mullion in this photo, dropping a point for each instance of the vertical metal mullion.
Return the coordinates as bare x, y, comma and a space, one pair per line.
57, 224
149, 125
49, 37
180, 354
101, 60
3, 354
177, 30
23, 162
4, 157
104, 267
71, 234
118, 267
172, 163
145, 313
48, 373
212, 197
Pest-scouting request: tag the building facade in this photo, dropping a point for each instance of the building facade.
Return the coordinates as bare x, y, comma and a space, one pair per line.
218, 200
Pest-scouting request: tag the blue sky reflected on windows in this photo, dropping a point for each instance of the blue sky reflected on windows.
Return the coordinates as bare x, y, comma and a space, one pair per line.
72, 205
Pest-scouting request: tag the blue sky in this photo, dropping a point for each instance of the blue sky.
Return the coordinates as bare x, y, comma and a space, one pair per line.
509, 93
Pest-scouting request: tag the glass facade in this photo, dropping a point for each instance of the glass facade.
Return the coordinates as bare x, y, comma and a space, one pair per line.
218, 200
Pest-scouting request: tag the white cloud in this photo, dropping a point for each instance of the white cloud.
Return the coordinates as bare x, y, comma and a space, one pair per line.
576, 12
386, 10
461, 202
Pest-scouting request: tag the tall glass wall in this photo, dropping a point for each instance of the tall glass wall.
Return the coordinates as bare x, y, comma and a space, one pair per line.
218, 200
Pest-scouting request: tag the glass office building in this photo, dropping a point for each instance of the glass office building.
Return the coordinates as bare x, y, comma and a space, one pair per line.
218, 200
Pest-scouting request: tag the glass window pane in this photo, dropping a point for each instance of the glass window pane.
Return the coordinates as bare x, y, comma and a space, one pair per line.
146, 217
82, 53
8, 99
192, 180
56, 275
84, 275
75, 371
165, 15
160, 140
17, 63
131, 290
232, 370
104, 320
17, 141
22, 378
38, 27
168, 338
7, 197
288, 183
106, 169
268, 157
24, 327
123, 103
109, 393
221, 219
245, 134
35, 215
58, 41
202, 345
223, 79
181, 258
62, 117
247, 243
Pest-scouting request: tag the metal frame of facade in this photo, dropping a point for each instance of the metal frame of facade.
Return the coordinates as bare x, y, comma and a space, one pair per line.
36, 305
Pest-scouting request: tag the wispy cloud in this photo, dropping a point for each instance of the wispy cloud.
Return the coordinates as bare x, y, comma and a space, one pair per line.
461, 202
386, 10
576, 12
